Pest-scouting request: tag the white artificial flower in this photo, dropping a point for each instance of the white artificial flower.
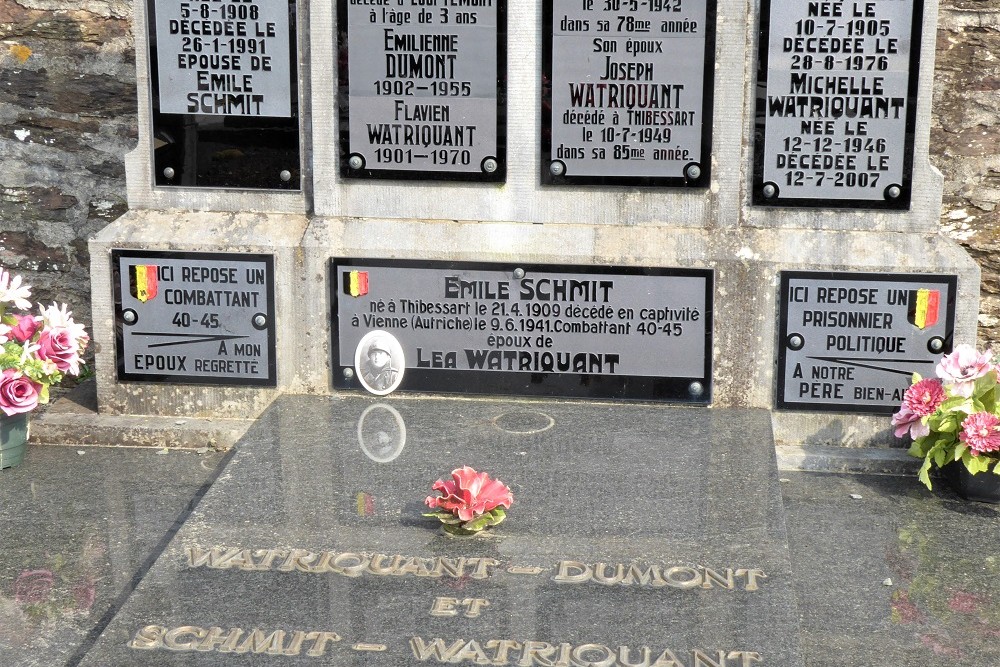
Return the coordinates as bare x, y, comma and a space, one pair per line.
60, 317
11, 291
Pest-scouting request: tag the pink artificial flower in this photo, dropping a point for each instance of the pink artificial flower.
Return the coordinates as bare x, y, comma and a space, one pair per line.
59, 346
18, 393
469, 494
981, 432
26, 327
924, 397
963, 367
908, 421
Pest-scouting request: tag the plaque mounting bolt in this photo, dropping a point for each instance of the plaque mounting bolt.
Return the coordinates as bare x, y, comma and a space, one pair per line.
557, 168
356, 161
696, 389
259, 320
348, 373
935, 344
893, 192
169, 172
129, 316
285, 175
518, 273
490, 165
769, 190
693, 172
796, 341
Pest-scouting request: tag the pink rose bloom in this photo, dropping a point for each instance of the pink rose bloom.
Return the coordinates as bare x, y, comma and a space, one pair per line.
469, 494
981, 432
963, 367
18, 393
924, 397
908, 421
59, 346
25, 329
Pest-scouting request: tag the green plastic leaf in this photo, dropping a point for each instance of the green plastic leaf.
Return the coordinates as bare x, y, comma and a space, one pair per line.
960, 449
996, 469
922, 475
915, 378
940, 457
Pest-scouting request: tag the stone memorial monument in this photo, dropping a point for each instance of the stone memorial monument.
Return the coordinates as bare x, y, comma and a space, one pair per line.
662, 202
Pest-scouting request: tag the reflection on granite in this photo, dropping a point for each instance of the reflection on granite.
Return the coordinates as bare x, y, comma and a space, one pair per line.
940, 553
653, 528
75, 530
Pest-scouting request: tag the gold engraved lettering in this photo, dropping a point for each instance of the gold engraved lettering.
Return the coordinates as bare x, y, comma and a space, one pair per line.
746, 657
435, 649
537, 653
453, 567
514, 569
320, 640
149, 637
751, 576
648, 577
473, 605
268, 556
671, 576
412, 566
258, 642
375, 566
482, 566
668, 659
472, 651
726, 582
702, 659
226, 643
625, 657
360, 646
298, 559
444, 607
503, 647
170, 639
350, 565
295, 647
602, 577
593, 655
242, 559
571, 571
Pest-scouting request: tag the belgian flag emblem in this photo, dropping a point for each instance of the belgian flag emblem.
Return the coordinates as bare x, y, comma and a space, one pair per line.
356, 283
142, 281
922, 307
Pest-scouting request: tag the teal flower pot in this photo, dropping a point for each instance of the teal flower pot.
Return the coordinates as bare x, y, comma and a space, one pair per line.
13, 439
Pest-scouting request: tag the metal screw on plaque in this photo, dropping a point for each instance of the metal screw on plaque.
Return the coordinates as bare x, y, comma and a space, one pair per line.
769, 190
935, 344
356, 161
129, 316
259, 321
795, 342
490, 165
285, 175
893, 192
557, 168
169, 172
348, 373
518, 273
696, 389
693, 172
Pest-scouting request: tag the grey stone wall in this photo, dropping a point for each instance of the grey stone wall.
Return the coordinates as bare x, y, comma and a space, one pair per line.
68, 115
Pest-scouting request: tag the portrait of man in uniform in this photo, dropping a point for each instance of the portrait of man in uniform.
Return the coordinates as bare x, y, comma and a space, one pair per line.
379, 362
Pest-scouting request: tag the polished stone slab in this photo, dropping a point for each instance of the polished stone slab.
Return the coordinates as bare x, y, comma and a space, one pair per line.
289, 540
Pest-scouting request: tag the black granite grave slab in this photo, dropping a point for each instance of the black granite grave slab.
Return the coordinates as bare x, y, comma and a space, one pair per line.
310, 548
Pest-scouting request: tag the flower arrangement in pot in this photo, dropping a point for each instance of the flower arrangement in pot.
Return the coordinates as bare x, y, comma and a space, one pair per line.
36, 352
470, 502
955, 417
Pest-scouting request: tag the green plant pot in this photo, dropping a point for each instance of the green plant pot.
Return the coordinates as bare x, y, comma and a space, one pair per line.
983, 488
13, 439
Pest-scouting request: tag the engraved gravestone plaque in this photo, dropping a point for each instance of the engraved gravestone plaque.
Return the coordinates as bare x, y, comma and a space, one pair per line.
850, 342
225, 93
836, 103
530, 330
194, 318
627, 91
422, 90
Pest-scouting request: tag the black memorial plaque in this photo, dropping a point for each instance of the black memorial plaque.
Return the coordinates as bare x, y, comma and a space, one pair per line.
641, 333
423, 89
836, 103
850, 342
627, 91
224, 93
194, 318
